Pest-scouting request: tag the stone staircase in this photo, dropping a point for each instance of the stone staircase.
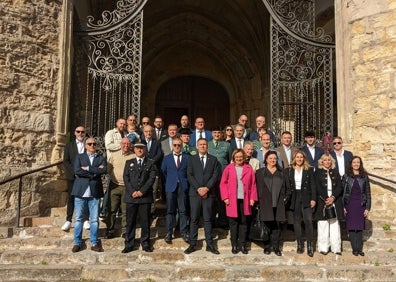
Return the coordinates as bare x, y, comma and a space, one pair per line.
42, 252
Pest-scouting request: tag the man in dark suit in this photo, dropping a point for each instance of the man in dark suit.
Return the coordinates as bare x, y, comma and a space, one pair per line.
87, 191
260, 123
199, 132
159, 132
312, 151
342, 157
238, 141
72, 149
139, 177
154, 152
174, 173
202, 174
242, 120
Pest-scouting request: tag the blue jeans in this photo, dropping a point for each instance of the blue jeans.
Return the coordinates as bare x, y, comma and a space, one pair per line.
80, 205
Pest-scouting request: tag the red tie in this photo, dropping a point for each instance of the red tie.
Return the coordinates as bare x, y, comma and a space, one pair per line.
178, 161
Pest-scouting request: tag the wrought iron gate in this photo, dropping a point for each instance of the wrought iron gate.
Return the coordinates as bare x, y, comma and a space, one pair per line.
301, 70
113, 46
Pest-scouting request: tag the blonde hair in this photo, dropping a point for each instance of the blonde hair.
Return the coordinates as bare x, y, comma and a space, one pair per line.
323, 157
305, 165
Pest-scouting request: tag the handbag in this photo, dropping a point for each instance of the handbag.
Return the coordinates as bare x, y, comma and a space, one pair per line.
329, 212
259, 231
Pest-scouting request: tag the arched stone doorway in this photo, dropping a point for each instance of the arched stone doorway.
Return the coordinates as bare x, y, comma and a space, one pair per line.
193, 96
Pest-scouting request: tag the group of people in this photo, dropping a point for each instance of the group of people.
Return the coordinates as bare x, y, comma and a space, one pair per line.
225, 176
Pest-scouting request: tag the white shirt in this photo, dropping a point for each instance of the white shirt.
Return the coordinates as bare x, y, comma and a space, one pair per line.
80, 146
341, 163
329, 186
198, 133
288, 153
312, 151
204, 159
87, 193
298, 178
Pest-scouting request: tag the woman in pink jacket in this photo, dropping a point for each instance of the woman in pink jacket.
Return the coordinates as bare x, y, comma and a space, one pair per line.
239, 193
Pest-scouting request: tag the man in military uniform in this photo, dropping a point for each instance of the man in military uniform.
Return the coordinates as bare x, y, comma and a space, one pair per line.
185, 137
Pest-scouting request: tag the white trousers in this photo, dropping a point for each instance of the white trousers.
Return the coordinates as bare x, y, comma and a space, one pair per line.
329, 235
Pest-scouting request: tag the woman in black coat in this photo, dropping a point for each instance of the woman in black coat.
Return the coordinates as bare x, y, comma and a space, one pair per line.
301, 183
329, 192
357, 202
271, 188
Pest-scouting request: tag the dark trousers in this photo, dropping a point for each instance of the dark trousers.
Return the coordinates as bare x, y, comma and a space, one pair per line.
116, 195
132, 211
239, 226
176, 201
219, 210
275, 233
197, 205
356, 238
300, 213
70, 200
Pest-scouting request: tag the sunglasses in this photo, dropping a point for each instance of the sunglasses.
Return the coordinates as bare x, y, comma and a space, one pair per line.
176, 145
145, 123
229, 129
335, 143
91, 144
80, 131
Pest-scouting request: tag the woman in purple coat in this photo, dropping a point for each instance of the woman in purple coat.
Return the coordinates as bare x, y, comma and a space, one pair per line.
357, 202
239, 193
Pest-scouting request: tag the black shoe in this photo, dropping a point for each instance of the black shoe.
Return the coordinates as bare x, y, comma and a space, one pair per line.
244, 250
355, 253
234, 250
109, 235
278, 252
185, 237
127, 250
147, 249
267, 251
338, 253
190, 249
212, 249
361, 253
168, 238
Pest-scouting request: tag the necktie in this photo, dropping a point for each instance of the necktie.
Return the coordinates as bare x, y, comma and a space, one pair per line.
122, 134
140, 164
200, 134
178, 161
202, 162
215, 143
148, 145
158, 134
239, 144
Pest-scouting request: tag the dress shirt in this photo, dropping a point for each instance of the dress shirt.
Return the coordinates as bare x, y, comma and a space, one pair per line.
203, 159
341, 163
177, 156
288, 153
199, 134
298, 178
87, 193
80, 146
312, 151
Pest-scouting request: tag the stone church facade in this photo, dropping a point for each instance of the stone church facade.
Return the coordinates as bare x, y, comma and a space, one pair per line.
36, 112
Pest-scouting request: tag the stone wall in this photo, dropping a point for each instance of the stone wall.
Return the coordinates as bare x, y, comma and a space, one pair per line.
373, 73
29, 64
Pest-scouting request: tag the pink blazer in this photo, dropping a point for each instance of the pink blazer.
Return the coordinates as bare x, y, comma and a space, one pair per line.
229, 189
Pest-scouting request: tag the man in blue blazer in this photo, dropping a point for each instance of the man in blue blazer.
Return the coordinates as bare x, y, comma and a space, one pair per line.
87, 191
174, 174
342, 157
199, 132
202, 174
310, 149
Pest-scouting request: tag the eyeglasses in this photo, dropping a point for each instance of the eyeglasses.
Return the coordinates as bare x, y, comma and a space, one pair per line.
145, 122
91, 144
176, 145
335, 143
229, 129
80, 131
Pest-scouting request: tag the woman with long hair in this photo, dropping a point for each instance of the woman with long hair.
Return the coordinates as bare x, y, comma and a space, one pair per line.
239, 193
300, 180
357, 202
272, 195
228, 133
329, 205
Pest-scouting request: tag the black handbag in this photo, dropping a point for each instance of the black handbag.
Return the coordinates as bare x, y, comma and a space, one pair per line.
258, 230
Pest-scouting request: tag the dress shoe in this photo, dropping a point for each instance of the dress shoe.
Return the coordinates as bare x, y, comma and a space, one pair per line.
361, 253
190, 249
127, 250
324, 253
278, 252
186, 237
168, 238
212, 249
97, 248
267, 251
355, 253
109, 235
310, 250
147, 249
76, 248
244, 250
234, 250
